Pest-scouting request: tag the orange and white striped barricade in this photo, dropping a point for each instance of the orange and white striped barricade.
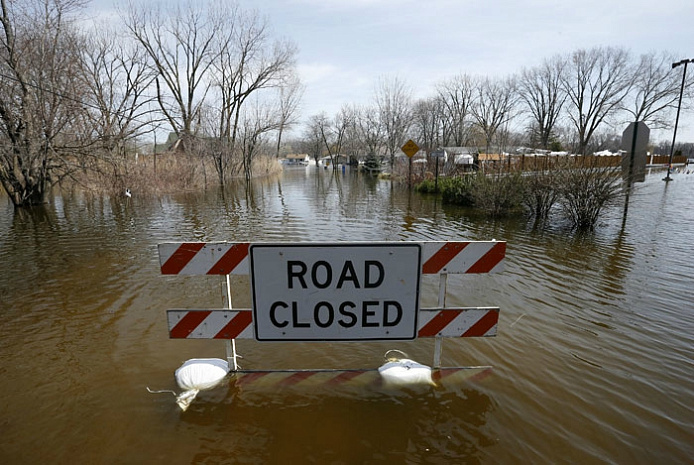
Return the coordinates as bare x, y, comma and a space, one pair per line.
238, 324
433, 257
223, 258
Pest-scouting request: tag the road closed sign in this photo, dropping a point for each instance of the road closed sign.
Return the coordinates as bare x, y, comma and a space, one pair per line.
335, 292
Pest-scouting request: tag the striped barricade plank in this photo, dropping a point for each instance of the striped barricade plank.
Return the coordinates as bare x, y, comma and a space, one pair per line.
455, 375
273, 379
305, 378
463, 257
458, 322
238, 324
221, 258
202, 258
210, 324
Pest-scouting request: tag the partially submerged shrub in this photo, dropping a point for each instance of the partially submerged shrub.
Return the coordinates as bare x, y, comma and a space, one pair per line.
499, 194
458, 190
496, 194
582, 186
427, 186
541, 192
586, 190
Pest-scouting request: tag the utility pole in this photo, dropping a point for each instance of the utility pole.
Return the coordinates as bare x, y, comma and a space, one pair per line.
677, 118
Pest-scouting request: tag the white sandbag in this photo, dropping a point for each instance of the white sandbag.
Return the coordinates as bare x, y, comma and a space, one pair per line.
405, 372
198, 374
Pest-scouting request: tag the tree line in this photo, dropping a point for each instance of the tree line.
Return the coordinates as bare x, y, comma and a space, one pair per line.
77, 97
578, 102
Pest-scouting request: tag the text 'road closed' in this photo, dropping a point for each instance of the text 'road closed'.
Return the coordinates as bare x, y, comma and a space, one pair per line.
335, 292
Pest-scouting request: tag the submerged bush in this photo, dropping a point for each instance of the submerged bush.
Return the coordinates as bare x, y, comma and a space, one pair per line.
581, 186
427, 186
458, 191
586, 190
499, 194
541, 192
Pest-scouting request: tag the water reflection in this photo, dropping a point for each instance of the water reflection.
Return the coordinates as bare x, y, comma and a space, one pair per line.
333, 426
592, 360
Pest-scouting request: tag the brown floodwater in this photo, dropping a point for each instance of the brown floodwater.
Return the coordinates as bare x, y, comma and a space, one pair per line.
593, 361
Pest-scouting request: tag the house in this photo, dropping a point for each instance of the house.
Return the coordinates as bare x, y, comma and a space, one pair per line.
464, 157
296, 159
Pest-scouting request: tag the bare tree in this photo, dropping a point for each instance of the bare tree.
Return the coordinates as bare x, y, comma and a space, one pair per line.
42, 118
596, 81
332, 132
256, 122
426, 123
312, 138
368, 128
541, 91
394, 103
342, 123
353, 145
180, 49
249, 60
493, 106
290, 94
116, 76
656, 90
456, 97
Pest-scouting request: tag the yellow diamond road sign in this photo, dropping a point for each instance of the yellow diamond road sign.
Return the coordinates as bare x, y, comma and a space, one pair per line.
410, 148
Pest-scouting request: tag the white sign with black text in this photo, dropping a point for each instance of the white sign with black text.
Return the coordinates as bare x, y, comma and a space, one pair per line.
335, 292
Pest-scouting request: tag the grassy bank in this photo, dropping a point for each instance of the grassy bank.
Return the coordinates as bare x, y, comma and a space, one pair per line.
156, 174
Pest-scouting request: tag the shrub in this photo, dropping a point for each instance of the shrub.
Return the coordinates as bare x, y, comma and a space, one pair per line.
458, 190
427, 186
541, 192
586, 190
498, 194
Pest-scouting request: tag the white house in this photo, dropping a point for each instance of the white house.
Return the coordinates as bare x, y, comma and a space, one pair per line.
296, 159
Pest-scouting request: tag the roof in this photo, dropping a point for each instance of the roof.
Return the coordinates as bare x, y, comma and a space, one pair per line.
461, 150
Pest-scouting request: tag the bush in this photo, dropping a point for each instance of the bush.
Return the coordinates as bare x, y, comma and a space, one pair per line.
458, 190
427, 186
499, 194
580, 185
496, 195
586, 190
541, 192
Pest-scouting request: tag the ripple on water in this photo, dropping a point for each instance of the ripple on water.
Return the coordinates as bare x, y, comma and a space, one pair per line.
592, 362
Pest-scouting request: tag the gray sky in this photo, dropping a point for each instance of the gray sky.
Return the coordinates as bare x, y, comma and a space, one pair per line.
346, 45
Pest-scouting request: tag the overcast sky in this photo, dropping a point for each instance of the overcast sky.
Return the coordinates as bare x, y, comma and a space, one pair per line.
346, 45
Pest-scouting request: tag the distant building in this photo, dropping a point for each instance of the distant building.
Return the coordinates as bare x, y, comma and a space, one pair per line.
296, 159
463, 155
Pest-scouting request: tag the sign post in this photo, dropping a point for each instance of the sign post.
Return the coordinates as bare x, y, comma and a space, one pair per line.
410, 149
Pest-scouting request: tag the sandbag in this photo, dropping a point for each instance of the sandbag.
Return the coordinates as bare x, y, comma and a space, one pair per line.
405, 372
198, 374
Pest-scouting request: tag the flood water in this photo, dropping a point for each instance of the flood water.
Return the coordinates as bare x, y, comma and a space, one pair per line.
593, 361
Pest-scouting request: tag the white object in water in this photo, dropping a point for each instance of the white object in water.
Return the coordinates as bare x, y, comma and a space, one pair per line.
198, 374
405, 372
127, 193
